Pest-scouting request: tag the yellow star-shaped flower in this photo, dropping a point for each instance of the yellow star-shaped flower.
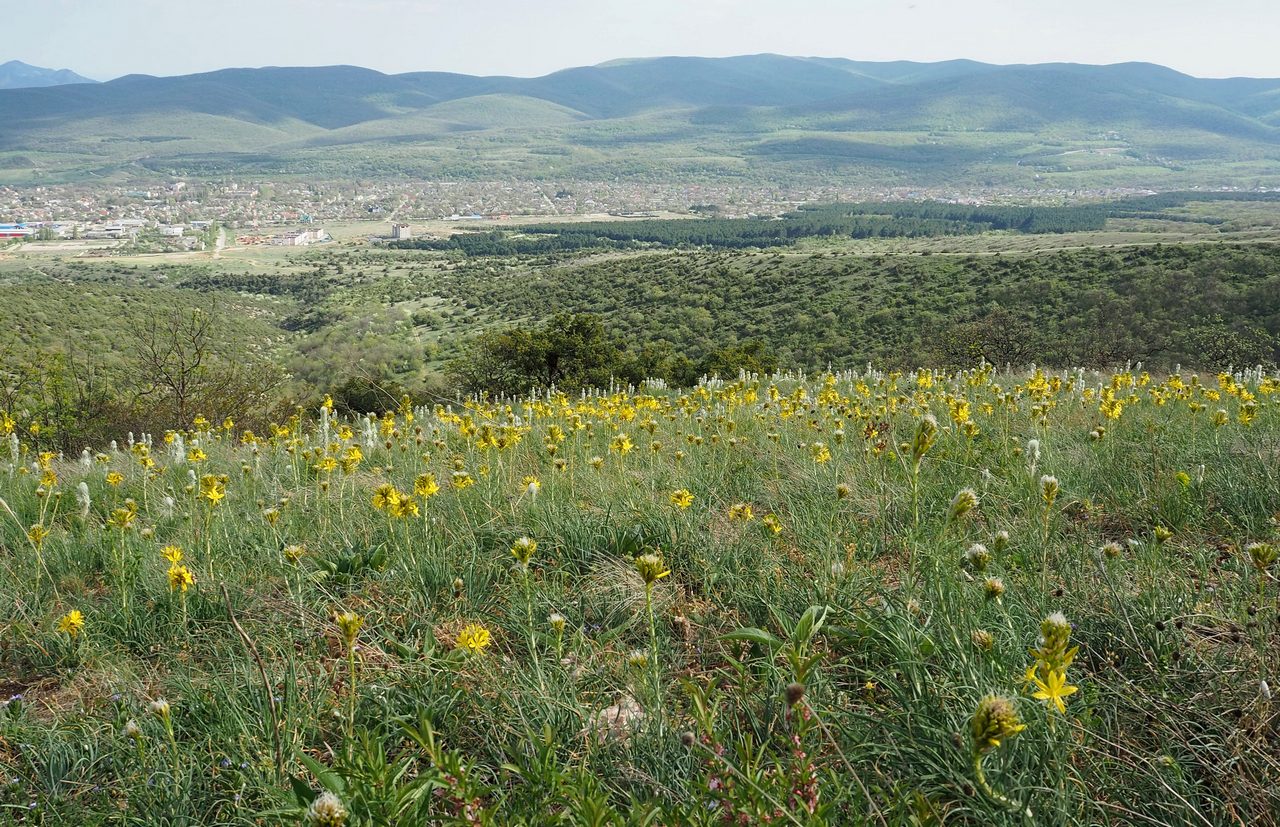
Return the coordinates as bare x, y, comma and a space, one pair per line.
1054, 690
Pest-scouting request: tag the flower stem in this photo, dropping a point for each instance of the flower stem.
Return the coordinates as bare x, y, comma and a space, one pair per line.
653, 655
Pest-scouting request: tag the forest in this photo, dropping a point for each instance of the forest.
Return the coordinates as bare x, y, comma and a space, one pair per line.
880, 219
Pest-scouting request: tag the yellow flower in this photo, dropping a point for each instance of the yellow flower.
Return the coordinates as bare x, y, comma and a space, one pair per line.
71, 623
196, 455
385, 497
211, 489
294, 553
741, 511
349, 623
621, 444
523, 549
965, 501
114, 478
1263, 555
651, 568
461, 480
1054, 690
772, 523
425, 486
474, 638
821, 453
681, 498
180, 578
1055, 652
400, 504
37, 534
351, 458
172, 553
1049, 489
122, 518
995, 720
532, 486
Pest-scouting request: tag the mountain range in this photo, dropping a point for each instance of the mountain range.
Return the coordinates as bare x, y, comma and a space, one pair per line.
18, 75
751, 118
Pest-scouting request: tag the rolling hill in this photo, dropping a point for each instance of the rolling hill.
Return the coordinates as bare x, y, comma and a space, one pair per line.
752, 118
18, 75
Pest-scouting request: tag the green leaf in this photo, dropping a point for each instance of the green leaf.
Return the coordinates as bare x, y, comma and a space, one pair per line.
810, 622
756, 636
328, 779
302, 791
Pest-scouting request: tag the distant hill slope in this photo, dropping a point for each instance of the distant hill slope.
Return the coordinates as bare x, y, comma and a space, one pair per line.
18, 75
754, 117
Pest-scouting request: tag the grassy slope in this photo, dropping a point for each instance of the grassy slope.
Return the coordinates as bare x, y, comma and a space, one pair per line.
1174, 634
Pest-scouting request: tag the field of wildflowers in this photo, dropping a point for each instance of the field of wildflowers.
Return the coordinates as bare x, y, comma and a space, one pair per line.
856, 598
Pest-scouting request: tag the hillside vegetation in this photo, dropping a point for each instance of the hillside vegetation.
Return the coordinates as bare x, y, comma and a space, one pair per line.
369, 324
748, 120
868, 598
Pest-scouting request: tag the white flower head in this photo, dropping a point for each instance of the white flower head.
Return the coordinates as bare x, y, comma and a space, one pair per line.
326, 810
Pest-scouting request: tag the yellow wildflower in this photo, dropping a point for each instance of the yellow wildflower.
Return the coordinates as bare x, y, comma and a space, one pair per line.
681, 498
180, 578
474, 638
211, 489
349, 623
37, 534
651, 568
71, 623
621, 444
425, 486
523, 550
1054, 690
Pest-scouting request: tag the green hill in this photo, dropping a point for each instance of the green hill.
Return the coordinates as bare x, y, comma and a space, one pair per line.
761, 118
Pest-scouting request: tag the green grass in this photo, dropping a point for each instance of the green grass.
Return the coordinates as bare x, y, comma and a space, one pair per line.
823, 674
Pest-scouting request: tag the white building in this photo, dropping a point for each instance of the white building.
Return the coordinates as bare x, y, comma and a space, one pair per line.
401, 232
300, 238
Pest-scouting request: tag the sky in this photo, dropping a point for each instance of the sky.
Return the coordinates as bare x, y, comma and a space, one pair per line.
103, 39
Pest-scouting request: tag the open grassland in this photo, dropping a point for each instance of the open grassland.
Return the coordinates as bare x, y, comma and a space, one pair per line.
859, 598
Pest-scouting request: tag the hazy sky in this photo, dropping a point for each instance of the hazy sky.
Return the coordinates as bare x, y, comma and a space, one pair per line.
108, 38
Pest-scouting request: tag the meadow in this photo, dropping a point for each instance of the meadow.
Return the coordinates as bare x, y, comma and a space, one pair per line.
896, 598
